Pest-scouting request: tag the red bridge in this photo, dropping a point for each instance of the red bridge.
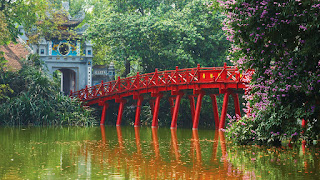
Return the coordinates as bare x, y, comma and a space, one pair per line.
192, 82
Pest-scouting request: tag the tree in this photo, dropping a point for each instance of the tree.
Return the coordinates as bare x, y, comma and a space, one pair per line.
21, 12
163, 38
278, 40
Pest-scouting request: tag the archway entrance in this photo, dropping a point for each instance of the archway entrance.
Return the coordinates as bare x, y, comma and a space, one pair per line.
68, 80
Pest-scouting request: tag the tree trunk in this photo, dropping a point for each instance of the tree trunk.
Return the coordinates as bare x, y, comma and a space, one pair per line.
127, 65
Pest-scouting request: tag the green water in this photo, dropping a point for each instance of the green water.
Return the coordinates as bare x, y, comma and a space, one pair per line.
144, 153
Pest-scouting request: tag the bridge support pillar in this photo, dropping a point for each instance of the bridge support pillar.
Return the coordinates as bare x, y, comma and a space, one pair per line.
138, 111
176, 110
198, 109
156, 111
215, 110
192, 107
236, 103
120, 111
103, 115
224, 110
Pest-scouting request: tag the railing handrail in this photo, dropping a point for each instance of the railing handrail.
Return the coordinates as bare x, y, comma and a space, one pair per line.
227, 74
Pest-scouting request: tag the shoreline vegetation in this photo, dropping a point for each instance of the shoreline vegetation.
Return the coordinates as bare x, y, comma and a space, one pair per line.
31, 97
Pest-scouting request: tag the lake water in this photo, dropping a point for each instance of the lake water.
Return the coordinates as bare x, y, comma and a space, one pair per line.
144, 153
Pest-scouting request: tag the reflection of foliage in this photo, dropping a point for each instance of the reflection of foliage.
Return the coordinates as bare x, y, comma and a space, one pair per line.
41, 151
36, 99
276, 163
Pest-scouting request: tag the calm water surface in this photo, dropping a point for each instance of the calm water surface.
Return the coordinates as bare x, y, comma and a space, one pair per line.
144, 153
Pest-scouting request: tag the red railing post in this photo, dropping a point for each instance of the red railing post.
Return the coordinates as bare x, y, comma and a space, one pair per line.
237, 74
198, 109
215, 110
138, 80
118, 83
156, 76
156, 111
224, 110
224, 73
138, 111
198, 71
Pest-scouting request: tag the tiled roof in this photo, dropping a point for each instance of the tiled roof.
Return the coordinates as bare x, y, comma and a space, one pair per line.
13, 54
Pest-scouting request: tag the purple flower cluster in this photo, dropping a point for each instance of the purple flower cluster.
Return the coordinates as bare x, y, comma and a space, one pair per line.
273, 38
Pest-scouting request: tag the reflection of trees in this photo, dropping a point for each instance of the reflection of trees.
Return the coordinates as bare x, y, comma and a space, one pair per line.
154, 166
43, 152
277, 162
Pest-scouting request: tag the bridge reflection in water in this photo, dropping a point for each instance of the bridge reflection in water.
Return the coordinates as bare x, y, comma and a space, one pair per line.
150, 161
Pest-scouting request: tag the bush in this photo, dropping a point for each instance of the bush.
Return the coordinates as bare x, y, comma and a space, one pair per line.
35, 99
278, 40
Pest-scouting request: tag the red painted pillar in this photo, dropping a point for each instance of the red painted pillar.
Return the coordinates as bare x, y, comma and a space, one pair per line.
303, 125
176, 110
138, 111
236, 103
120, 111
224, 110
192, 107
103, 115
215, 110
156, 111
198, 109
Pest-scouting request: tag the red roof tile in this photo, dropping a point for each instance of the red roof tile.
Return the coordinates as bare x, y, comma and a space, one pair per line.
13, 54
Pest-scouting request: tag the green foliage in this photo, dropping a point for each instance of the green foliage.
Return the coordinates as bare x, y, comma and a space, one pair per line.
163, 38
278, 40
35, 99
20, 12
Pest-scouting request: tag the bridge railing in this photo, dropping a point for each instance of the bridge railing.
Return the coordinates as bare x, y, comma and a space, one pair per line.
225, 74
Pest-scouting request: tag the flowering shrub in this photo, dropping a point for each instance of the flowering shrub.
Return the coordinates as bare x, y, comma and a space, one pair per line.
280, 40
